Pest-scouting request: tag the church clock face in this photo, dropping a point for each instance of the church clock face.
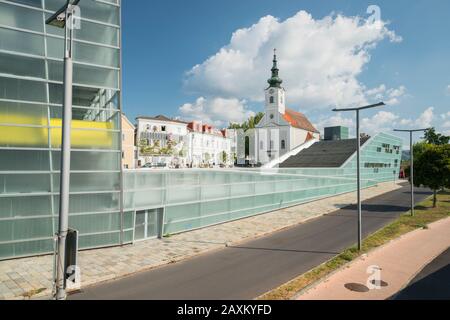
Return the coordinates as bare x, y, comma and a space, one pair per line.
271, 91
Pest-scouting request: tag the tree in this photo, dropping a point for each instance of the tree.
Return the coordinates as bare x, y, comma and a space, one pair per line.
432, 168
431, 137
251, 123
224, 157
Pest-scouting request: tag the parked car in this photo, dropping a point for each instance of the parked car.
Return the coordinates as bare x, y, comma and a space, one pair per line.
154, 165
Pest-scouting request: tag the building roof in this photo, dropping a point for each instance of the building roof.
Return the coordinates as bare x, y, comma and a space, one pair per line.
162, 118
298, 120
124, 117
324, 154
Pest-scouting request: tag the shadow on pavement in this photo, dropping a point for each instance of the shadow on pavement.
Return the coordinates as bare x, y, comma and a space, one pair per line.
420, 192
379, 208
435, 286
283, 250
431, 283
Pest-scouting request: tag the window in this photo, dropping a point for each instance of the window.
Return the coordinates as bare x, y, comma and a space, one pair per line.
163, 128
272, 99
283, 144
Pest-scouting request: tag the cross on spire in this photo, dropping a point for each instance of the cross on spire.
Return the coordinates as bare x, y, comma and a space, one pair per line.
275, 81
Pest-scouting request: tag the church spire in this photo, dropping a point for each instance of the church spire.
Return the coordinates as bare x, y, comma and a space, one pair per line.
275, 81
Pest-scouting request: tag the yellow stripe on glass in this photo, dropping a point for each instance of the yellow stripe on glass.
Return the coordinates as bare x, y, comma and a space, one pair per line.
85, 134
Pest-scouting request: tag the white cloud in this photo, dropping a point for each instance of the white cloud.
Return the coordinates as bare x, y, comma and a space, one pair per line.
384, 121
445, 116
390, 96
217, 111
319, 60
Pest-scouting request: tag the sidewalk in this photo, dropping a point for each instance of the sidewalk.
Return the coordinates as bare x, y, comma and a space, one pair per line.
18, 277
400, 260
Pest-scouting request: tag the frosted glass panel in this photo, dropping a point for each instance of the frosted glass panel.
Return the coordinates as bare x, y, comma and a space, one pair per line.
20, 41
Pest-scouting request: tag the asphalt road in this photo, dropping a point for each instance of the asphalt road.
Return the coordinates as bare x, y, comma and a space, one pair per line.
433, 282
255, 267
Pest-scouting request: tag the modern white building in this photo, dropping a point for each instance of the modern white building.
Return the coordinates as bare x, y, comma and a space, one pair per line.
281, 129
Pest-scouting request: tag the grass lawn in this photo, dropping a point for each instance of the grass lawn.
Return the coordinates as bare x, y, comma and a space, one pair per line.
424, 215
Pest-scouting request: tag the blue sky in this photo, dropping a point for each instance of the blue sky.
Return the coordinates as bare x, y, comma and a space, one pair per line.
407, 63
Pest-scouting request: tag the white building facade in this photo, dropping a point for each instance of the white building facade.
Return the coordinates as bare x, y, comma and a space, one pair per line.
209, 146
281, 129
161, 141
165, 142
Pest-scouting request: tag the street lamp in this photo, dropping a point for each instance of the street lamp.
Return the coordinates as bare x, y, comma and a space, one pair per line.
64, 18
412, 162
358, 166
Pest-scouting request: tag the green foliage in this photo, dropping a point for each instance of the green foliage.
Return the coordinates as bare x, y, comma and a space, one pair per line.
224, 157
251, 123
432, 167
155, 149
431, 137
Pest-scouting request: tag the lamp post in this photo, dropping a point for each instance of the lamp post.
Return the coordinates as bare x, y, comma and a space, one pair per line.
358, 166
412, 162
64, 18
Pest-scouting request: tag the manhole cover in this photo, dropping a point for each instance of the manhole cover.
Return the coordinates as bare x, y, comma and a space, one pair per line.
357, 287
379, 283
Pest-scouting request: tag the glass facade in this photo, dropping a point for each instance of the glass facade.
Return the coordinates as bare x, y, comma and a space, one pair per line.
193, 199
31, 93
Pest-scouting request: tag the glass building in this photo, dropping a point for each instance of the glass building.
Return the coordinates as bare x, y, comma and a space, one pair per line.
31, 93
108, 206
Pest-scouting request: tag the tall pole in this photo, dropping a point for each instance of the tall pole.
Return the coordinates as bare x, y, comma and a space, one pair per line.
412, 171
358, 174
65, 157
412, 163
358, 164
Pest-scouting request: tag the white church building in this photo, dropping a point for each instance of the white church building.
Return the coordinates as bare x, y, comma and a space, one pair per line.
281, 129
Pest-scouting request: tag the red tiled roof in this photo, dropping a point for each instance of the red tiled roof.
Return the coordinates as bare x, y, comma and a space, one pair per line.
298, 120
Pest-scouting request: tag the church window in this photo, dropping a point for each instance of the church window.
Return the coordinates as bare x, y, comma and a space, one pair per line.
283, 144
271, 116
272, 99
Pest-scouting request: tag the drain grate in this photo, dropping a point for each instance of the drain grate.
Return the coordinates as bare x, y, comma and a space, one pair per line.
356, 287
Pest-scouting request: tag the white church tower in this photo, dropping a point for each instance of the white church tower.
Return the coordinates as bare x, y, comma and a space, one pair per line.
275, 94
281, 129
